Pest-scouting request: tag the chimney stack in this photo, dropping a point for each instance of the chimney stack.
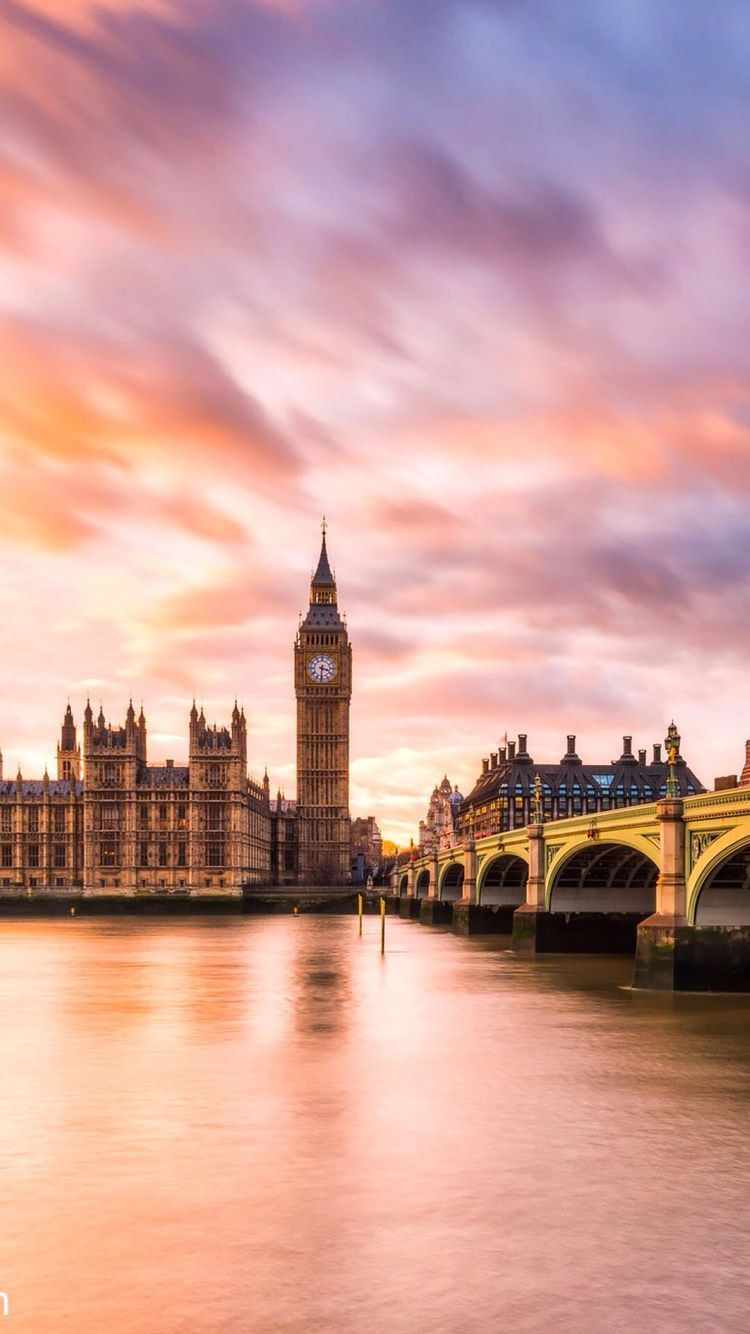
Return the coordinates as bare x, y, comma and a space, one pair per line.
571, 744
493, 760
522, 743
511, 750
485, 766
627, 747
657, 752
642, 758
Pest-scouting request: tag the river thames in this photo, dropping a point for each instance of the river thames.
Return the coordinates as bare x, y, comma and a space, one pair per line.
258, 1124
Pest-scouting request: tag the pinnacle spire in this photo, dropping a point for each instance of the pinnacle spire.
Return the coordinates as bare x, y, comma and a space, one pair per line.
323, 577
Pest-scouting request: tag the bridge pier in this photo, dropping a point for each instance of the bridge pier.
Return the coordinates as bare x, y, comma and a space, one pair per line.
436, 912
468, 917
408, 907
483, 919
528, 926
674, 956
408, 904
432, 888
539, 932
670, 954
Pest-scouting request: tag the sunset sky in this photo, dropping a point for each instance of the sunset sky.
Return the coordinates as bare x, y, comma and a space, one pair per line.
469, 278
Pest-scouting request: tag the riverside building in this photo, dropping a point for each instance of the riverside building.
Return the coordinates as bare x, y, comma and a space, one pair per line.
503, 795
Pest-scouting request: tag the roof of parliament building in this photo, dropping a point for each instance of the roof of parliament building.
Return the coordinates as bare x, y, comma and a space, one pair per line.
36, 787
629, 780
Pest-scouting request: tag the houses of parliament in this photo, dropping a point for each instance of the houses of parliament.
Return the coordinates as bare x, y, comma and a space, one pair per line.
111, 823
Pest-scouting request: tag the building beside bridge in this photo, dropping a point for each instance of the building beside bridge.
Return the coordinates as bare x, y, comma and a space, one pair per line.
503, 796
440, 825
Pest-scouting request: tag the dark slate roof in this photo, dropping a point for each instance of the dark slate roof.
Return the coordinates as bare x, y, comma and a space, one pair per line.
323, 578
323, 616
213, 738
514, 776
164, 775
115, 737
34, 787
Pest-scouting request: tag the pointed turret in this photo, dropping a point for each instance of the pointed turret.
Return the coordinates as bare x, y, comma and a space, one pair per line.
68, 731
323, 577
68, 750
323, 612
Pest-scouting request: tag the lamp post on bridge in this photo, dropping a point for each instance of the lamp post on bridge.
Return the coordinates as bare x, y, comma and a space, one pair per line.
672, 744
660, 935
537, 816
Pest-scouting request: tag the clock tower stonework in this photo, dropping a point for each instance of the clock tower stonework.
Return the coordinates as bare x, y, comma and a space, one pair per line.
323, 687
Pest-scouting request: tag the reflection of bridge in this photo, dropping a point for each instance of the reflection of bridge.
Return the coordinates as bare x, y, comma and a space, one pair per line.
670, 879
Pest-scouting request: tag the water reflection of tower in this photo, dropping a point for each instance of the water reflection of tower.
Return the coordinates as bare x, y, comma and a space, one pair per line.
321, 977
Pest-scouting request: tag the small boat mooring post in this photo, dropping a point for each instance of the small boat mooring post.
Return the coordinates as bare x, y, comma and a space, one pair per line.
359, 911
382, 926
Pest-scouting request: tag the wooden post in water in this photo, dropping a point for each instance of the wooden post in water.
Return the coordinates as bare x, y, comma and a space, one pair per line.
382, 926
359, 912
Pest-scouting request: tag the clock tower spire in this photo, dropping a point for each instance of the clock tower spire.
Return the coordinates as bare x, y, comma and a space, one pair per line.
323, 687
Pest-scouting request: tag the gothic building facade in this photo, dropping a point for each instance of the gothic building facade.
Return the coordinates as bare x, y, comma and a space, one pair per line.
132, 827
438, 829
111, 823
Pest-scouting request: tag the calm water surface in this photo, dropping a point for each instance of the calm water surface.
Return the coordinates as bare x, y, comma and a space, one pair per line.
259, 1125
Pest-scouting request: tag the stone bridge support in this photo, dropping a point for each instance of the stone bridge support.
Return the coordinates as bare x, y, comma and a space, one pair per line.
409, 903
467, 915
434, 873
528, 920
673, 953
658, 936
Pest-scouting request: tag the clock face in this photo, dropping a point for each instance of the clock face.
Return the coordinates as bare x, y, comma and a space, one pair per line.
321, 668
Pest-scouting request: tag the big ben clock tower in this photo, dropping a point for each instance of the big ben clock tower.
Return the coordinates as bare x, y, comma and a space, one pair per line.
323, 686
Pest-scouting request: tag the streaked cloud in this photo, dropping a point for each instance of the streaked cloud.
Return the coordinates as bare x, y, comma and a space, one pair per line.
468, 279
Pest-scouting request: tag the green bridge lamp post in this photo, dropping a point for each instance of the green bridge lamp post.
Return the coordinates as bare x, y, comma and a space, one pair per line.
672, 745
538, 809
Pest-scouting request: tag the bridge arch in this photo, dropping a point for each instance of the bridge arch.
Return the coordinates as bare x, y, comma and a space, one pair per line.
403, 885
422, 883
605, 876
502, 880
720, 891
451, 882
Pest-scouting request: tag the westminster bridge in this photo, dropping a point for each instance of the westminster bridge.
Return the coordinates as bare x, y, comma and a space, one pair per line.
669, 881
